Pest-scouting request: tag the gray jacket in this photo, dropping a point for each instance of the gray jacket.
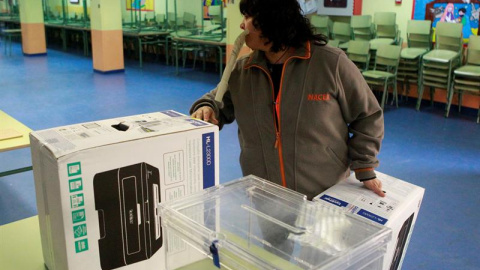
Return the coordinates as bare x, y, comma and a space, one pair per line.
329, 120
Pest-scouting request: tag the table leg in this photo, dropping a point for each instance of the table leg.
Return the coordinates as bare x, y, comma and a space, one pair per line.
140, 51
64, 39
85, 43
176, 58
166, 48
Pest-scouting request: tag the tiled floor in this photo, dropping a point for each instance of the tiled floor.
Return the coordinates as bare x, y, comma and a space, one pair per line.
441, 155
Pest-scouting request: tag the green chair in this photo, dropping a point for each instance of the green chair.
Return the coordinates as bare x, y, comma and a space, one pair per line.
218, 15
174, 22
384, 72
467, 77
419, 42
386, 32
322, 25
189, 21
342, 32
438, 64
160, 21
386, 25
362, 27
359, 52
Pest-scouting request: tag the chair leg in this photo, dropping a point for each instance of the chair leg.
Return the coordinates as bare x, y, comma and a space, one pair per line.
449, 99
204, 59
194, 58
395, 93
420, 95
384, 95
176, 59
184, 57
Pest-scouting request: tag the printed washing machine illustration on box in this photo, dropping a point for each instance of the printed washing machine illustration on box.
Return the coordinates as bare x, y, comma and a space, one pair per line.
126, 201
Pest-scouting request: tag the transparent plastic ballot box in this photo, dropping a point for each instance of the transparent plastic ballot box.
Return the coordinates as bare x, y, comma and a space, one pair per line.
251, 223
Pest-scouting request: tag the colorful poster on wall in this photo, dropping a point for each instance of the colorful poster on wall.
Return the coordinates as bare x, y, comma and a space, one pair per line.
465, 12
208, 3
144, 5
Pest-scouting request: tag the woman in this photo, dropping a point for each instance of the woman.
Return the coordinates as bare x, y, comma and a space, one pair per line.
304, 112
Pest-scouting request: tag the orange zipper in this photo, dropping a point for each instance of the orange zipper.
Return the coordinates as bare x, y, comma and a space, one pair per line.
276, 110
278, 138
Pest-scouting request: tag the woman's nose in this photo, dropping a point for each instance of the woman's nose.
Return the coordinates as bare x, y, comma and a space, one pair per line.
242, 26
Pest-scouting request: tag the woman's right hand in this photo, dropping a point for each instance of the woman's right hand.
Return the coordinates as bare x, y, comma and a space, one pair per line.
205, 113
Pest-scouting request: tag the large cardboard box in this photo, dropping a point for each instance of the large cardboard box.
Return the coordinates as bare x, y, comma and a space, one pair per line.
398, 210
98, 186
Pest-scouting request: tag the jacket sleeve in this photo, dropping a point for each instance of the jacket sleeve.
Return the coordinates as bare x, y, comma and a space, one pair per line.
224, 110
364, 118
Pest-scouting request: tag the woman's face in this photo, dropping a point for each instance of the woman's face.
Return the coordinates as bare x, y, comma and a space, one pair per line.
254, 39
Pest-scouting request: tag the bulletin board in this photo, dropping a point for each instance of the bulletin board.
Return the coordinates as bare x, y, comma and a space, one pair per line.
335, 7
143, 5
339, 7
465, 12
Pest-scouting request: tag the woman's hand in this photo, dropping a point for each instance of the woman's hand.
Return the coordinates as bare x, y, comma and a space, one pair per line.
205, 113
375, 185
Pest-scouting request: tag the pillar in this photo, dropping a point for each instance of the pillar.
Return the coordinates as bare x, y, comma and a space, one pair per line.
107, 36
33, 27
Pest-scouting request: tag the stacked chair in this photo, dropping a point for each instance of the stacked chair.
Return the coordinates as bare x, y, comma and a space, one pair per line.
322, 25
384, 72
362, 27
419, 42
386, 32
342, 32
439, 64
467, 77
359, 52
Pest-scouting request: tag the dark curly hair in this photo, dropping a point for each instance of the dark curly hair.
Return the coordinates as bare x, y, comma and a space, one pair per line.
281, 23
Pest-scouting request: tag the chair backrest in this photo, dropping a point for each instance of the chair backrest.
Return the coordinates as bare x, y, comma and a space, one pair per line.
215, 13
473, 53
385, 25
385, 18
189, 20
359, 52
341, 31
215, 10
362, 27
160, 18
149, 16
419, 34
449, 36
321, 24
388, 57
172, 20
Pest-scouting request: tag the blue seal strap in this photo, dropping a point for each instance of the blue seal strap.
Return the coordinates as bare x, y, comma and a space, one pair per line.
215, 255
